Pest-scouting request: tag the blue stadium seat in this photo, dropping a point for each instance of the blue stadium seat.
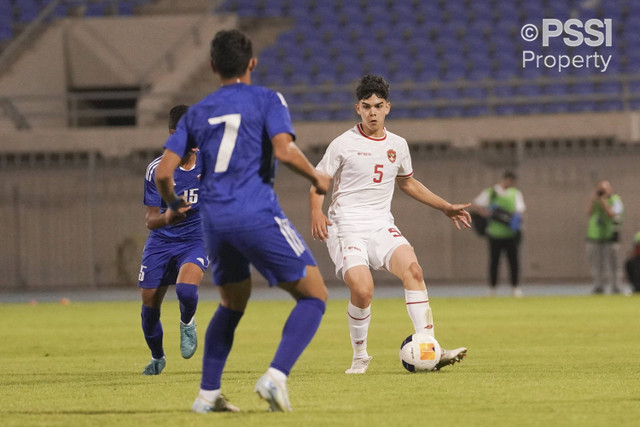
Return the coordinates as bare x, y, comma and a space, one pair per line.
95, 9
505, 110
125, 8
6, 23
447, 93
582, 106
452, 111
476, 110
400, 112
29, 10
442, 40
609, 106
556, 107
475, 92
609, 87
504, 91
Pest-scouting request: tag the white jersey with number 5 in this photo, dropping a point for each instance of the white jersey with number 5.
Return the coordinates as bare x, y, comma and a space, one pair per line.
364, 171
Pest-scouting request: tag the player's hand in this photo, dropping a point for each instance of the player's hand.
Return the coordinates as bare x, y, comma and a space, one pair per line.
458, 215
322, 182
174, 216
319, 224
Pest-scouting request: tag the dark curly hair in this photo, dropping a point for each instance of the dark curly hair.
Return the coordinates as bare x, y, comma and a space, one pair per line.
231, 51
175, 114
372, 84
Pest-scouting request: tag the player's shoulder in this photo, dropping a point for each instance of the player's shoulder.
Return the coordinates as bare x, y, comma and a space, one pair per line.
344, 140
269, 94
151, 169
350, 134
395, 137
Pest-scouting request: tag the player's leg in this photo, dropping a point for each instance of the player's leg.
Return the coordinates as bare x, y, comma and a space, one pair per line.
404, 265
156, 272
152, 327
280, 254
360, 282
189, 277
310, 294
217, 346
230, 269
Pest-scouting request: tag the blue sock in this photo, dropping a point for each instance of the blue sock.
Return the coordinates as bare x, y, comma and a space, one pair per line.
301, 326
152, 329
217, 345
188, 297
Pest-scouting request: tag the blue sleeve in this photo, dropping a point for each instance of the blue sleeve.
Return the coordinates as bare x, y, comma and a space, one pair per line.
151, 195
278, 117
180, 142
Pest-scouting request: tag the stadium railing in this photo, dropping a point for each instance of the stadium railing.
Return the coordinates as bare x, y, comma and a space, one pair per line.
21, 110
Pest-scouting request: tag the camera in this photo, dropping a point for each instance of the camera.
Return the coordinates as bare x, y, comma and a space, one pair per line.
600, 193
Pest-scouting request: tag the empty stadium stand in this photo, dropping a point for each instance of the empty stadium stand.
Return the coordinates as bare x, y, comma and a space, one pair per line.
449, 58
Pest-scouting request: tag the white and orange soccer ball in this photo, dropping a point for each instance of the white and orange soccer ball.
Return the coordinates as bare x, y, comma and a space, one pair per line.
420, 352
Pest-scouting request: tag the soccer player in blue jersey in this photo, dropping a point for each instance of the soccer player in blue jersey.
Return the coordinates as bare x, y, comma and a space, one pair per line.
174, 253
239, 130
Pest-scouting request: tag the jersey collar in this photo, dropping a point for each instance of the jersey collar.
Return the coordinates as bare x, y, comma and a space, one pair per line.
382, 138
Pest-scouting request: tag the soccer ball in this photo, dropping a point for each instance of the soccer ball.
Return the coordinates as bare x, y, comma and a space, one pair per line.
420, 352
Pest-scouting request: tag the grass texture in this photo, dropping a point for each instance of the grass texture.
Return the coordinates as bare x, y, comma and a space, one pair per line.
539, 361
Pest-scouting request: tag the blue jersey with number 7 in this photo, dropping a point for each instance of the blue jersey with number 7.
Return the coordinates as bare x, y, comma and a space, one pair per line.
233, 128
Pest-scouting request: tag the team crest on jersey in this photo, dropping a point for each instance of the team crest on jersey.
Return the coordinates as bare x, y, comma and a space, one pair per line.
391, 154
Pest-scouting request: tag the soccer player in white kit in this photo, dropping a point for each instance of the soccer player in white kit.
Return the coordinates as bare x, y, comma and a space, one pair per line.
366, 162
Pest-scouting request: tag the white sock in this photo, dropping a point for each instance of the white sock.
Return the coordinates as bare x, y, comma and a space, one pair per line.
209, 395
419, 311
277, 375
359, 320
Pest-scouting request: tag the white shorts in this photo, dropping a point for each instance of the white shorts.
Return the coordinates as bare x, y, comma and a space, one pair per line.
372, 248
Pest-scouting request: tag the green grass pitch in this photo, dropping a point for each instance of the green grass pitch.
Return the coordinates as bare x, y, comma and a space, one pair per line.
538, 361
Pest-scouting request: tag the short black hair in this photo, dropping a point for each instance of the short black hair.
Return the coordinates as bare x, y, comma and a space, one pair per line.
509, 175
372, 84
175, 114
231, 51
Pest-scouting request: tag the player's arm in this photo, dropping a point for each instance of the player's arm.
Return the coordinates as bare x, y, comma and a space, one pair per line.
154, 219
319, 220
286, 151
177, 206
416, 190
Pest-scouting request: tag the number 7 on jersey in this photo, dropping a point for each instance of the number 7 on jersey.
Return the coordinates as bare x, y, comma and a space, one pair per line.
231, 125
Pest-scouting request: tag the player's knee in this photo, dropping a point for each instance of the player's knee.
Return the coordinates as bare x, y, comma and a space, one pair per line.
414, 272
363, 295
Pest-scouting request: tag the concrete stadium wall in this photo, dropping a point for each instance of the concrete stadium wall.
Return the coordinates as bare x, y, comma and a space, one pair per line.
74, 226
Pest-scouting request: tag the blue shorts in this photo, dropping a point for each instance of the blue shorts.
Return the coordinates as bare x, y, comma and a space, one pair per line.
276, 250
162, 260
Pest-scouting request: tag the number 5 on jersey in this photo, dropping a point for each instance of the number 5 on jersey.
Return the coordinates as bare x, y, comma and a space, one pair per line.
231, 125
377, 170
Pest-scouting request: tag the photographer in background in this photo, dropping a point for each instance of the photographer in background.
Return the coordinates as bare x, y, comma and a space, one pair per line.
503, 206
605, 217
